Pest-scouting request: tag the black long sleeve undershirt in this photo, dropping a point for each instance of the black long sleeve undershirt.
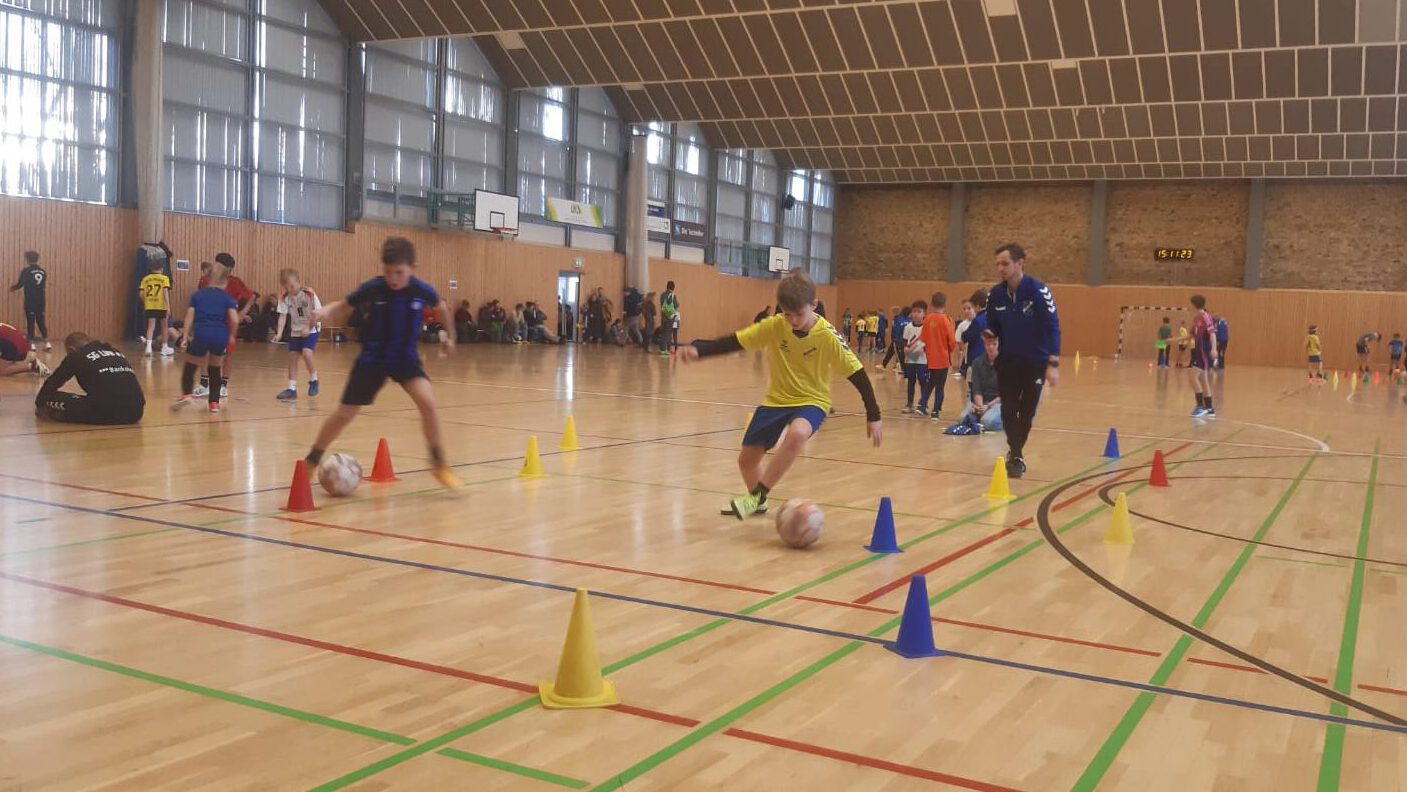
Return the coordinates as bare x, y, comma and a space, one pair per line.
861, 380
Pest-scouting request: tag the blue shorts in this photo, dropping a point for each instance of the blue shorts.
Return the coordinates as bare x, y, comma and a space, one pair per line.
768, 423
1316, 359
308, 342
208, 343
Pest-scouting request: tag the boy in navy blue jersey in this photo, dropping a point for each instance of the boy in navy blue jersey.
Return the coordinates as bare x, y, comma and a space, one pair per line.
390, 310
1021, 314
211, 322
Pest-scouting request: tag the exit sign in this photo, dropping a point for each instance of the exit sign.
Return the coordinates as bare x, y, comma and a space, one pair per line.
578, 263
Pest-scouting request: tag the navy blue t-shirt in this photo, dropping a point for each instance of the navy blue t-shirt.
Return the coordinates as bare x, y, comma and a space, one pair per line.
973, 337
211, 311
391, 321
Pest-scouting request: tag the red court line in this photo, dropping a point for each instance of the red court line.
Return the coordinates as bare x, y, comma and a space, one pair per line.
995, 628
1246, 668
662, 717
85, 489
983, 542
1393, 691
517, 554
868, 761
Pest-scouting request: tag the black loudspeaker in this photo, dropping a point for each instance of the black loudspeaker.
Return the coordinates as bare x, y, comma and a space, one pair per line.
788, 202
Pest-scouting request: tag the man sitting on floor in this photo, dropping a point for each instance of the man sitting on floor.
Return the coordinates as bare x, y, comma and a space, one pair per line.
984, 411
112, 393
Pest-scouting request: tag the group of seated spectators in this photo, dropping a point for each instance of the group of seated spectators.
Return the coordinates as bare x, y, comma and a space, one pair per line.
526, 323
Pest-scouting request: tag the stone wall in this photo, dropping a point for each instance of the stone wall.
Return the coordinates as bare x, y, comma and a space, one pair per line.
1209, 217
1338, 236
1050, 221
892, 232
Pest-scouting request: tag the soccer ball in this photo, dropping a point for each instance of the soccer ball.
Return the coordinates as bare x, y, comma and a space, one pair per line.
340, 474
799, 523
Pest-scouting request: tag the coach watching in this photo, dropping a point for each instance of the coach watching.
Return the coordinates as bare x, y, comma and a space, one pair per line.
113, 395
1021, 312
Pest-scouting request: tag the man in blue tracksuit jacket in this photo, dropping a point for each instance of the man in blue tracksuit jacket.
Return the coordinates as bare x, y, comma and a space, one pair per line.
1021, 312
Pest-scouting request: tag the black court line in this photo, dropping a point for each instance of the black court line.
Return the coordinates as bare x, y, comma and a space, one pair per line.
728, 615
1048, 530
1108, 498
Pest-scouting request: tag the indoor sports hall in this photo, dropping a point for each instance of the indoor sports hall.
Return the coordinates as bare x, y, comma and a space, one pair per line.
703, 395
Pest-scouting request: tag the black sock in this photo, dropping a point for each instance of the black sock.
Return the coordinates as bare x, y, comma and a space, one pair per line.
314, 456
187, 379
437, 457
1209, 401
214, 377
1201, 400
761, 491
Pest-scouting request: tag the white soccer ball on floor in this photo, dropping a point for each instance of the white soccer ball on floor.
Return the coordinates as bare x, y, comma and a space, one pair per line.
799, 523
340, 474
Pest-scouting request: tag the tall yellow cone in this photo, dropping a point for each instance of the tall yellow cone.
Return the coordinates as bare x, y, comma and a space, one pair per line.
579, 682
1353, 382
569, 438
1001, 488
1336, 381
1120, 526
532, 465
1077, 361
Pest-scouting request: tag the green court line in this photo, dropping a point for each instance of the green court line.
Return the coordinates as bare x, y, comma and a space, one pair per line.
101, 540
1331, 761
201, 690
1119, 737
410, 753
517, 769
712, 727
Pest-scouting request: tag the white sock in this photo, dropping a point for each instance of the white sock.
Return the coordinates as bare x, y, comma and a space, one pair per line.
312, 378
293, 384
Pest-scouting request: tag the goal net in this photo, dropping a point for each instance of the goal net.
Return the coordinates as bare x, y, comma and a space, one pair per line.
1138, 330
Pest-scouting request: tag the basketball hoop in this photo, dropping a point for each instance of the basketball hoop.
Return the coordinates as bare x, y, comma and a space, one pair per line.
505, 231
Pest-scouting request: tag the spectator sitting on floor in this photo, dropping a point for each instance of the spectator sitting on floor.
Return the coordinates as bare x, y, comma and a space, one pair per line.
463, 323
536, 321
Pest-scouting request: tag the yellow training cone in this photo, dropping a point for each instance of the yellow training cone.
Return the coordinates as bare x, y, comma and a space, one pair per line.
1336, 381
532, 465
579, 682
1353, 383
1001, 488
1077, 361
569, 438
1120, 527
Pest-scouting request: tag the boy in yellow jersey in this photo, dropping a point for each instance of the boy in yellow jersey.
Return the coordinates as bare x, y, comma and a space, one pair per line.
803, 352
155, 291
872, 330
1315, 350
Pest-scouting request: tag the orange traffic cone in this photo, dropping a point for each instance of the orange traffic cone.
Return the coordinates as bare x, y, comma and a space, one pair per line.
383, 471
300, 492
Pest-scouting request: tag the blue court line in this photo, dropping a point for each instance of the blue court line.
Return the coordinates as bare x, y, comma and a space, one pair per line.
730, 616
501, 460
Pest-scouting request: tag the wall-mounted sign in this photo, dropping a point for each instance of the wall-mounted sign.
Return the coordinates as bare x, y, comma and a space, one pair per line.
656, 217
575, 213
685, 231
454, 284
183, 265
1173, 254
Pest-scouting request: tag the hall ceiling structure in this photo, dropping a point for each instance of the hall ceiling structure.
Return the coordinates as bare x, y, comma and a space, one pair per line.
914, 91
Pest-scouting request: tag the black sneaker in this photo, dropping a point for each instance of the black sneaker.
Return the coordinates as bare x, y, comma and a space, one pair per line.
1015, 467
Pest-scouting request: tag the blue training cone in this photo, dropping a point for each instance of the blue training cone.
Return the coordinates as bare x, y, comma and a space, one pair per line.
884, 540
1111, 446
916, 629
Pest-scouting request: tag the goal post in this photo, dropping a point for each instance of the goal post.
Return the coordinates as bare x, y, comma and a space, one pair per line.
1138, 330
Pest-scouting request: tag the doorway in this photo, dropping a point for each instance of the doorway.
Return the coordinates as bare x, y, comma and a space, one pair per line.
568, 299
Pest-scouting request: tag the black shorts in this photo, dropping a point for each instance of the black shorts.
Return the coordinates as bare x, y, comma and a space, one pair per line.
1362, 349
366, 379
156, 313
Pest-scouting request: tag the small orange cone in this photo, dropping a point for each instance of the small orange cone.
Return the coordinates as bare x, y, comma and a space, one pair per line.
300, 492
383, 471
1377, 378
1159, 476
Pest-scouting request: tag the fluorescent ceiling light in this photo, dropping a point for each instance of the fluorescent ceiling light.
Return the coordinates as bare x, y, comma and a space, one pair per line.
996, 8
510, 40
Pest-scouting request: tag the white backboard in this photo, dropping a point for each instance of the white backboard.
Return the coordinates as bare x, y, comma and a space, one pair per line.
495, 210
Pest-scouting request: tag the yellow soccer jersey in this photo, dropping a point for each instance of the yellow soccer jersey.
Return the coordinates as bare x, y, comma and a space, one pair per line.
872, 324
1312, 346
154, 288
802, 368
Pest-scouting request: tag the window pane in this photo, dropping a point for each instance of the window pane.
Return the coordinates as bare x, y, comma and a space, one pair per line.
300, 13
300, 54
533, 192
732, 170
477, 142
597, 169
399, 79
657, 182
473, 99
399, 126
728, 227
595, 100
731, 200
763, 234
466, 176
206, 137
299, 104
298, 152
606, 199
299, 203
205, 189
214, 31
466, 58
386, 167
215, 86
764, 179
542, 157
764, 207
597, 132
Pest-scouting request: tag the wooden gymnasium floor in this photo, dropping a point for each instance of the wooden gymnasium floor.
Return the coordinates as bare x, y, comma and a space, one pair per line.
164, 626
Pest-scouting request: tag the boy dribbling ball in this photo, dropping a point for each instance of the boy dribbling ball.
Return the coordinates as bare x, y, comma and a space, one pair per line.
296, 308
803, 351
390, 308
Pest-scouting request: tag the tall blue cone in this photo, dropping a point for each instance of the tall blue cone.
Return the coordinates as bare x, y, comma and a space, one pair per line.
1111, 446
883, 540
916, 629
